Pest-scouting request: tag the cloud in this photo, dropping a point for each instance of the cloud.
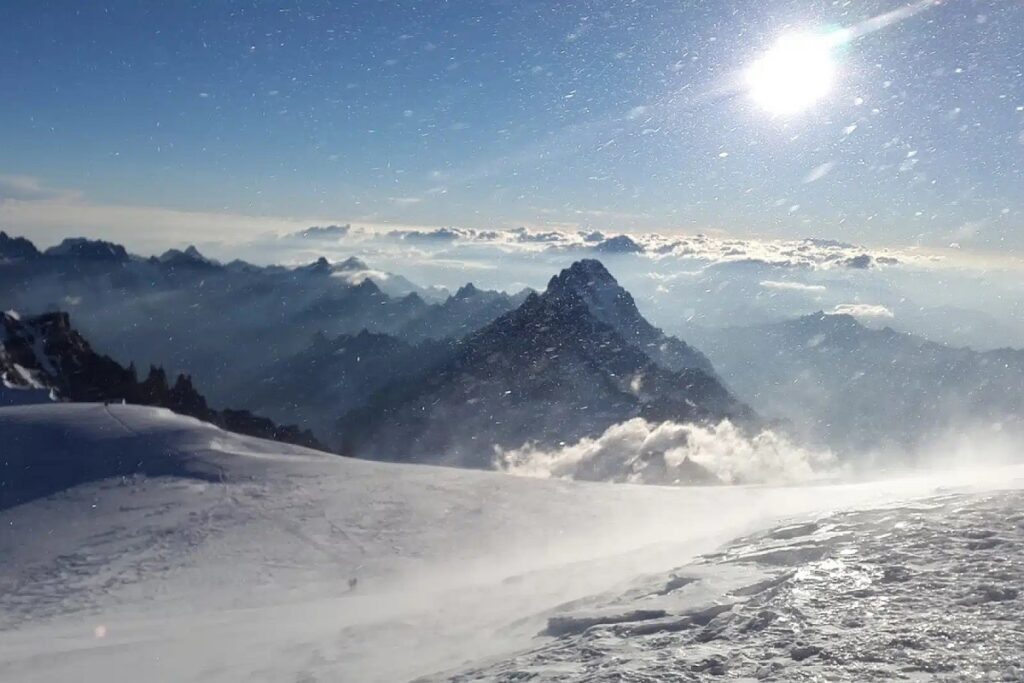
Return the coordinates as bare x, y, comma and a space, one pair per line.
866, 311
441, 235
143, 227
791, 286
639, 451
29, 189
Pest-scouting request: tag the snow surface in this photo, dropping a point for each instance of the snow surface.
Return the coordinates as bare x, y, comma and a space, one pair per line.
252, 560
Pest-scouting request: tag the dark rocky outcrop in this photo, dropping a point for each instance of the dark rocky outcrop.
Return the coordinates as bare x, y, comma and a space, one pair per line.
45, 352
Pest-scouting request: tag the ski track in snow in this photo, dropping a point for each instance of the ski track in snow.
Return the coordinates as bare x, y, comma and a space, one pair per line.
239, 567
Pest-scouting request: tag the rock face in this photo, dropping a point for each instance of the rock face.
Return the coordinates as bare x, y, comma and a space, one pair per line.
612, 304
45, 354
334, 375
16, 248
89, 250
553, 370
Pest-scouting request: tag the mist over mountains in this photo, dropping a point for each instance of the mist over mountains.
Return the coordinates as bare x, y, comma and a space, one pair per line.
377, 366
855, 388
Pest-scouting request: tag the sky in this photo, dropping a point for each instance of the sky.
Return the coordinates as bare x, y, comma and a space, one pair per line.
173, 120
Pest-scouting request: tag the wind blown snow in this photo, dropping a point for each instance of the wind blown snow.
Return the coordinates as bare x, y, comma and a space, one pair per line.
638, 451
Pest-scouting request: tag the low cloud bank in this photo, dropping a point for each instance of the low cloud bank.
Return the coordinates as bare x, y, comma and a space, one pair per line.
638, 451
791, 286
864, 311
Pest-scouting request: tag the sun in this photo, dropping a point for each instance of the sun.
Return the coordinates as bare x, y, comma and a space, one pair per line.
795, 73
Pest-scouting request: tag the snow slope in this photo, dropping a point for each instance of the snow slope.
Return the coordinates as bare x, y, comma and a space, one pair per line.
923, 590
240, 559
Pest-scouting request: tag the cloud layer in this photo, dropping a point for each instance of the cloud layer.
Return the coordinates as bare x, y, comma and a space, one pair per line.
639, 451
864, 311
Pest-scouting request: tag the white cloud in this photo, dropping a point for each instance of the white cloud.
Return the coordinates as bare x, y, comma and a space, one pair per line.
30, 189
791, 286
639, 451
866, 311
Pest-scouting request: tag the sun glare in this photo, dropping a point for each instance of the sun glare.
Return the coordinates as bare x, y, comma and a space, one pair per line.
795, 73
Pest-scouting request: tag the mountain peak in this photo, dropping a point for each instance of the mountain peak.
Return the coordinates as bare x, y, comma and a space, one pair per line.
90, 250
353, 263
590, 283
190, 257
586, 275
319, 267
620, 244
16, 247
466, 291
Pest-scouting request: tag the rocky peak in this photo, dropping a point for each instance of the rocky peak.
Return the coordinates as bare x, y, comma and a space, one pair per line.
466, 291
88, 250
190, 257
583, 277
591, 282
16, 248
352, 263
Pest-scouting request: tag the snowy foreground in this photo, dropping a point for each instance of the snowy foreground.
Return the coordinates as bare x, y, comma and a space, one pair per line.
249, 560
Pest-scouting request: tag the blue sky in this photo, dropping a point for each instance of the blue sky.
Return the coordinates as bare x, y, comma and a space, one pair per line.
615, 115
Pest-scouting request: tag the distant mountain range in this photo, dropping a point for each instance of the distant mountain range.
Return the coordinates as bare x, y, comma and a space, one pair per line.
386, 376
44, 358
567, 363
855, 388
194, 315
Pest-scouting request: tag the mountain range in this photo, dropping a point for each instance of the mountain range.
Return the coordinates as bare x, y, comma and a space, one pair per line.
567, 363
394, 376
857, 388
194, 315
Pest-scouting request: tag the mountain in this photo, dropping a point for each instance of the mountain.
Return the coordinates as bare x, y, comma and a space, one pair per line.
44, 355
857, 388
620, 244
612, 304
461, 313
335, 375
89, 250
551, 371
19, 248
190, 258
194, 315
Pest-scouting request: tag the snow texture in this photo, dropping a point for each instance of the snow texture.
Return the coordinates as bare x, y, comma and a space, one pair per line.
200, 555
